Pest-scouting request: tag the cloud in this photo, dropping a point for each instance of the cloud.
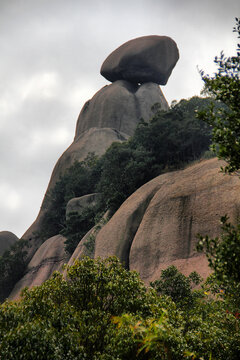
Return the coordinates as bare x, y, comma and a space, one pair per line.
10, 198
41, 85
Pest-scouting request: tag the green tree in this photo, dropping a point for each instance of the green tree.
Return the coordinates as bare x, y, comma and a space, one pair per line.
223, 252
77, 225
101, 311
78, 180
72, 318
169, 141
12, 266
178, 286
224, 86
123, 170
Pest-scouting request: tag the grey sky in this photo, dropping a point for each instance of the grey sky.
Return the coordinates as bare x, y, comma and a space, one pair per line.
51, 54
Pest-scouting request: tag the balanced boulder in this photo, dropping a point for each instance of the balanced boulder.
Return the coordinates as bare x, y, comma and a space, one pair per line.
144, 59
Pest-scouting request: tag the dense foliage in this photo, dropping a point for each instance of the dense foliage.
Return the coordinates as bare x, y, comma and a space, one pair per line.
12, 267
79, 179
73, 319
223, 252
77, 225
178, 286
224, 86
104, 312
170, 140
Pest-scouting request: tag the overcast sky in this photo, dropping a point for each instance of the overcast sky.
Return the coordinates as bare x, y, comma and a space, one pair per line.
51, 52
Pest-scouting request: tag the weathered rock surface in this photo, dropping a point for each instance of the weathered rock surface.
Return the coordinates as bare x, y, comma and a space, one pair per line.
155, 227
111, 115
7, 238
158, 224
79, 204
93, 140
120, 106
144, 59
50, 257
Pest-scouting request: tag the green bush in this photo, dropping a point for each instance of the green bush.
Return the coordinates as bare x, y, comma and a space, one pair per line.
178, 286
78, 180
103, 312
12, 267
169, 141
77, 225
224, 87
73, 319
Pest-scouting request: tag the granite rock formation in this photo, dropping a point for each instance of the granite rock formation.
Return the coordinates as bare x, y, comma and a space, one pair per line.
144, 59
111, 115
120, 106
50, 257
157, 225
7, 239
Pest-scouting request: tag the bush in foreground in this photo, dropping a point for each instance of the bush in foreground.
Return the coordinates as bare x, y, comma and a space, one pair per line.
104, 312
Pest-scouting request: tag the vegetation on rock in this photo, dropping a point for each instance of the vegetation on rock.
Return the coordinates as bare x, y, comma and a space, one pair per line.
170, 140
80, 179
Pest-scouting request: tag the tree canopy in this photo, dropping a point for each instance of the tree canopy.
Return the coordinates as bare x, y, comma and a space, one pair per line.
101, 311
224, 86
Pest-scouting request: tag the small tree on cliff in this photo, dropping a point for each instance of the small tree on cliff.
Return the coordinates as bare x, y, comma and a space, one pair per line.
223, 253
224, 86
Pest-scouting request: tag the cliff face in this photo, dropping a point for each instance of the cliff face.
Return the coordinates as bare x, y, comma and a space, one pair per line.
155, 227
110, 116
158, 224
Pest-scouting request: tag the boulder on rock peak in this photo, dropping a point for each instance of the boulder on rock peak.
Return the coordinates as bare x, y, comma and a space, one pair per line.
144, 59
